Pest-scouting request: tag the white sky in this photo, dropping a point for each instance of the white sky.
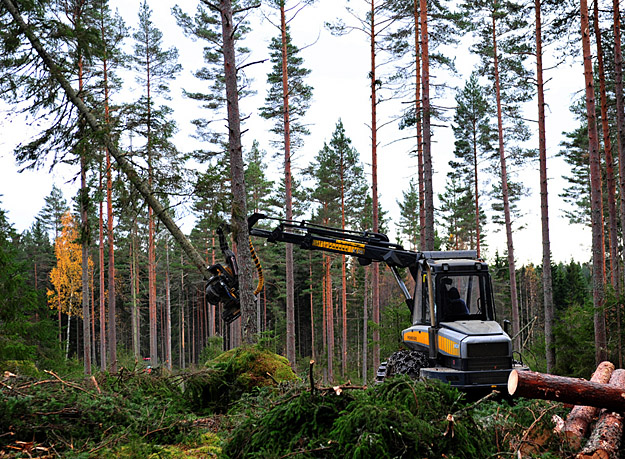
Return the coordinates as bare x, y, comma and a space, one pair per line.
341, 90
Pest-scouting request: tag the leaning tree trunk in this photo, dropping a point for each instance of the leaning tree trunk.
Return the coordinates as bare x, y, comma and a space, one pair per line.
595, 194
123, 163
505, 195
237, 170
550, 350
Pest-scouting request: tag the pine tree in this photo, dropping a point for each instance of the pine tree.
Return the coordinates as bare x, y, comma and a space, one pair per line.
287, 102
474, 141
503, 55
409, 223
155, 67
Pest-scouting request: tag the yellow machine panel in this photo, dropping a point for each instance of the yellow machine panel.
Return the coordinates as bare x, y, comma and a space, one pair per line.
341, 246
448, 346
417, 336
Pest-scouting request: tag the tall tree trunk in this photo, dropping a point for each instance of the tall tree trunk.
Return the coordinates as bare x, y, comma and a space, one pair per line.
607, 146
620, 124
290, 294
237, 170
505, 194
595, 194
84, 236
312, 311
418, 118
168, 312
109, 214
330, 321
134, 310
343, 279
86, 313
427, 144
183, 356
151, 249
365, 332
375, 277
102, 291
544, 202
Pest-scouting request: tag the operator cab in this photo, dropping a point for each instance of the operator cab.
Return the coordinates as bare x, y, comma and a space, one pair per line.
461, 290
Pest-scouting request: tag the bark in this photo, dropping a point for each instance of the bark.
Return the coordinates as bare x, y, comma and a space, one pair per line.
607, 146
109, 215
343, 280
418, 116
544, 202
620, 123
168, 357
595, 194
86, 313
580, 417
102, 290
427, 150
237, 169
312, 312
290, 294
375, 276
505, 195
605, 439
330, 321
562, 389
365, 333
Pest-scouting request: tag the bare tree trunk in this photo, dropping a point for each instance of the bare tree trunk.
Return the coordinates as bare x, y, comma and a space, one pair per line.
427, 145
620, 123
312, 311
102, 291
343, 280
330, 321
607, 146
595, 194
418, 118
168, 356
365, 328
109, 215
290, 294
505, 194
544, 202
237, 169
375, 277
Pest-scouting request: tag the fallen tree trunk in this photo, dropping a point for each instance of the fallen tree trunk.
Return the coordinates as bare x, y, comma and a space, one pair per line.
574, 391
605, 439
580, 417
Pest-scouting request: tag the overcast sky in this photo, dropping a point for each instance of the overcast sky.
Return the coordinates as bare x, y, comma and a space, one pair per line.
341, 90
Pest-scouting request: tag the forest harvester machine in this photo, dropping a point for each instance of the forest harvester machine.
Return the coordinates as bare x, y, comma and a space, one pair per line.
454, 336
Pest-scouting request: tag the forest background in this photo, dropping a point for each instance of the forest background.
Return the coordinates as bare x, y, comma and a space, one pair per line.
340, 87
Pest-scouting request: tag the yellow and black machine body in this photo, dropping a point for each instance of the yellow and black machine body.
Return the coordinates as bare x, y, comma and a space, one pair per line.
454, 336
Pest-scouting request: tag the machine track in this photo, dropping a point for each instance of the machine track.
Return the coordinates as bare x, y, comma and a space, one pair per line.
404, 362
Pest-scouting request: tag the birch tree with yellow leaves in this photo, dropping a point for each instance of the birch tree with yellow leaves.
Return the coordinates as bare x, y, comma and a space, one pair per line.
66, 276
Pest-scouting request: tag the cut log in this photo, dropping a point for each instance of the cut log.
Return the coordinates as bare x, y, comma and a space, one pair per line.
575, 391
605, 439
580, 417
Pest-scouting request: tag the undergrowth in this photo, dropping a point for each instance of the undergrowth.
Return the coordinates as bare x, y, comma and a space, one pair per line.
400, 418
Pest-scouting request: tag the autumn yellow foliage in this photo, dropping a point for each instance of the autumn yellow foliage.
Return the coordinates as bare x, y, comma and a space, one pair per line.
66, 276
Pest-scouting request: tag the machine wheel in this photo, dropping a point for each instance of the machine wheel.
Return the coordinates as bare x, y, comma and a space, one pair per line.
406, 362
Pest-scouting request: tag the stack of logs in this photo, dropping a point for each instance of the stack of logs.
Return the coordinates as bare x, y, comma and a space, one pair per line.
601, 399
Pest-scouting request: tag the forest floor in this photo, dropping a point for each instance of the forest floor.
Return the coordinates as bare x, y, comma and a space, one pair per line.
247, 403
